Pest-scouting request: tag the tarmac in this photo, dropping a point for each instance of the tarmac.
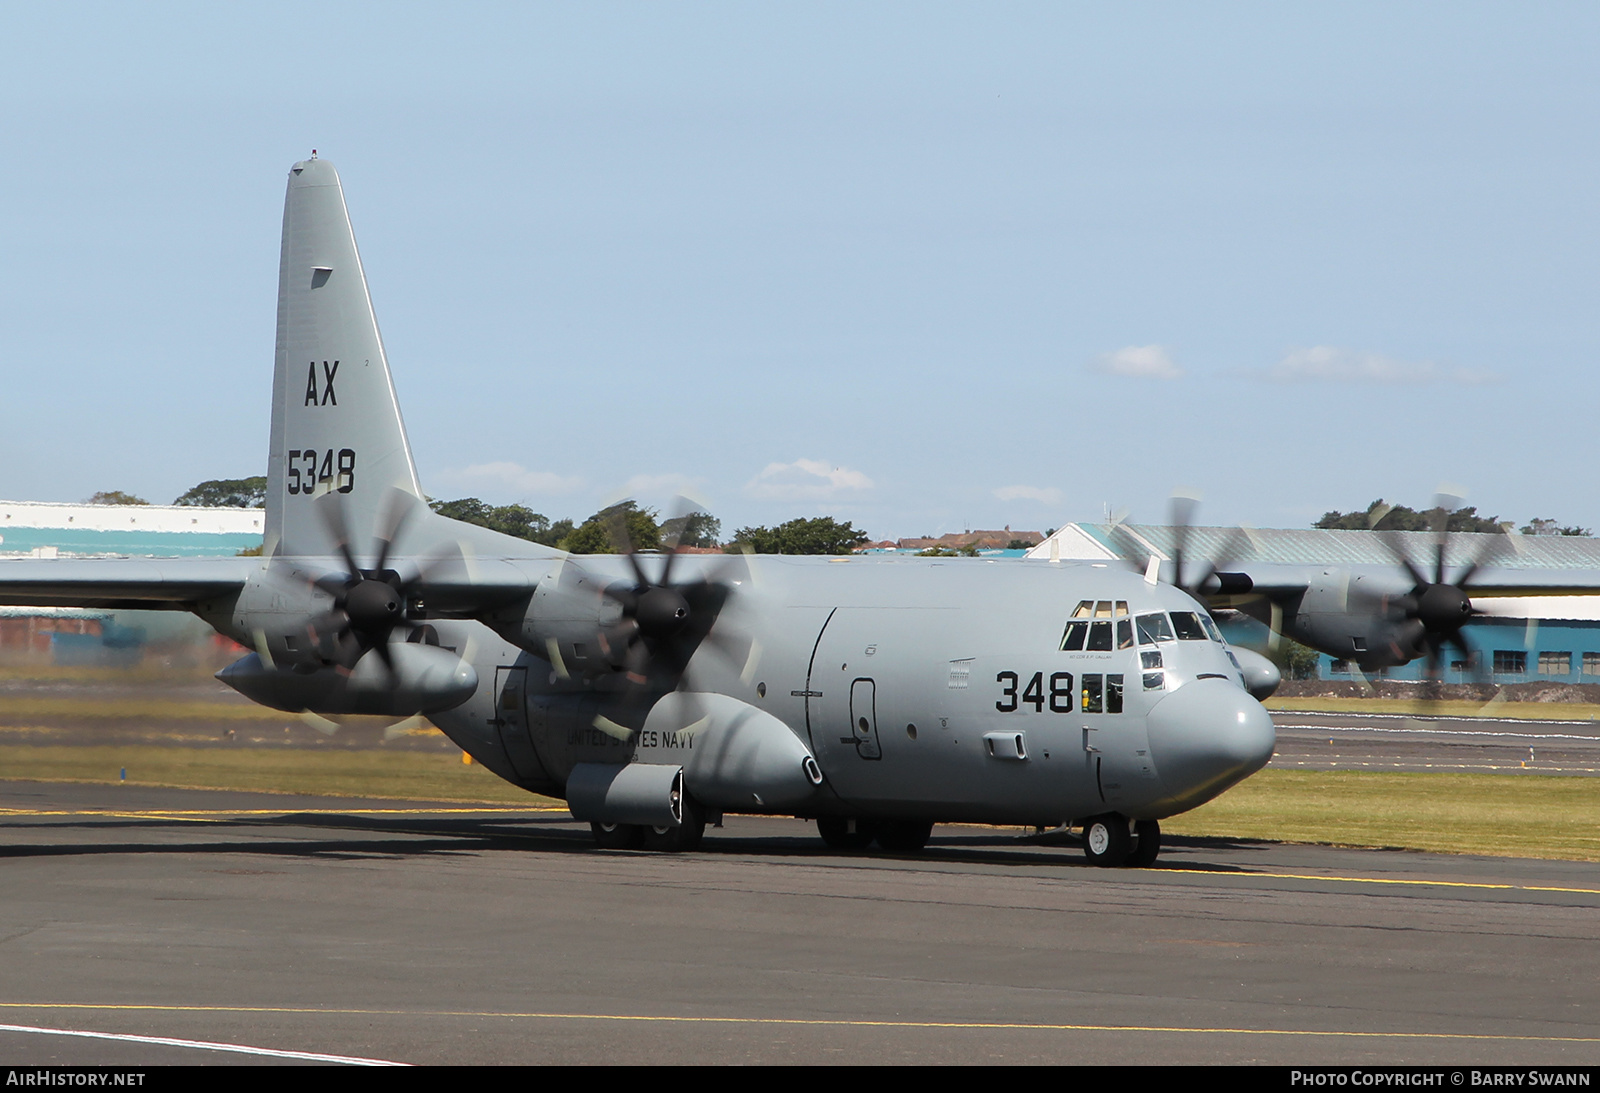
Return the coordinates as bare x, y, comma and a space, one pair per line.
214, 927
1476, 745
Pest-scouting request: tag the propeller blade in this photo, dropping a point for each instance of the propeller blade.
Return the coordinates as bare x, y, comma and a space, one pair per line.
1392, 542
398, 509
320, 723
1183, 509
330, 507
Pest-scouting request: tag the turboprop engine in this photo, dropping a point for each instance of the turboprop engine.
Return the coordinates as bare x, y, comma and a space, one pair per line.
415, 679
726, 753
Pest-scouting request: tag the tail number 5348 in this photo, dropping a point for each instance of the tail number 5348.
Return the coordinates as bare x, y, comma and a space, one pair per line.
312, 468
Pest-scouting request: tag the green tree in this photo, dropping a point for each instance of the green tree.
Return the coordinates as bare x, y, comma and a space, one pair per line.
115, 497
695, 529
231, 493
1381, 516
613, 529
1296, 661
517, 520
820, 535
1542, 526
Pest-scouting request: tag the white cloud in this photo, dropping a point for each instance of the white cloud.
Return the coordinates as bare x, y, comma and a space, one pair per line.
1143, 361
1327, 362
1045, 495
805, 479
659, 485
513, 477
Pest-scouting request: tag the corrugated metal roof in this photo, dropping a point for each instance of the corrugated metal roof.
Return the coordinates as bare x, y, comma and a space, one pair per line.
1315, 546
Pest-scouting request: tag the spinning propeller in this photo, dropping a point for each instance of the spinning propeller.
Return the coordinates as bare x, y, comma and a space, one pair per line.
664, 622
370, 603
1431, 616
1208, 578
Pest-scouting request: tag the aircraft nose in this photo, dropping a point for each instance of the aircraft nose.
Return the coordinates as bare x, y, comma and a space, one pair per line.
1206, 736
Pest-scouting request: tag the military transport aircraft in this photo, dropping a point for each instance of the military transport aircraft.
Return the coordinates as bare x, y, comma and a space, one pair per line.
656, 692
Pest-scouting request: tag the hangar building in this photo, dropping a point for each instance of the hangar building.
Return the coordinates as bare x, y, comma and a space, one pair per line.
43, 529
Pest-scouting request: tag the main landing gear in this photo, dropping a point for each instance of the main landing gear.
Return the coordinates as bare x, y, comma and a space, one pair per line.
1110, 840
895, 836
669, 840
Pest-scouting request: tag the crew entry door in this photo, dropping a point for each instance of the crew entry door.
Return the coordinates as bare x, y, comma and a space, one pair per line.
864, 719
511, 719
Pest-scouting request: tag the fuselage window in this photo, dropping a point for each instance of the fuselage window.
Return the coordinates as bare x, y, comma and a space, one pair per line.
1153, 628
1114, 694
1187, 624
1101, 694
1092, 689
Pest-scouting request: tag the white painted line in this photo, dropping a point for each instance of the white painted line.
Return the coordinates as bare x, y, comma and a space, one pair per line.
1436, 717
1481, 734
205, 1045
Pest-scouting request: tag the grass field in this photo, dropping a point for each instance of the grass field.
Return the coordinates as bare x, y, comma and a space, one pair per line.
1523, 816
364, 773
1517, 816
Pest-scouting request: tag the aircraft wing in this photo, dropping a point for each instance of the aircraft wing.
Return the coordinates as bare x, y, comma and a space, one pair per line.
124, 583
1277, 581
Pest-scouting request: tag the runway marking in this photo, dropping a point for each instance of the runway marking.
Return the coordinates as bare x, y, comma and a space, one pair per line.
1479, 734
821, 1022
1389, 880
205, 1045
1407, 766
1439, 717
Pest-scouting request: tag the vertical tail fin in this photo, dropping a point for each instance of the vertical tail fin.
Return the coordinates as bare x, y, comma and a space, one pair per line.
336, 423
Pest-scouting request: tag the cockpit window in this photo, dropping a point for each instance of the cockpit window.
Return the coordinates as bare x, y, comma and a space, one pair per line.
1100, 637
1084, 610
1074, 635
1211, 629
1187, 624
1153, 628
1124, 633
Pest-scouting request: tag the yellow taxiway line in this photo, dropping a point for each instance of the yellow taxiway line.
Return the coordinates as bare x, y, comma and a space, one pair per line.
820, 1022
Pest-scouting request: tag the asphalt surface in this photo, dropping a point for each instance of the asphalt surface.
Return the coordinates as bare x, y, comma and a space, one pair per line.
1315, 741
389, 931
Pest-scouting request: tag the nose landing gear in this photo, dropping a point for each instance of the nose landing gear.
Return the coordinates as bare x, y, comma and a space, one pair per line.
1108, 841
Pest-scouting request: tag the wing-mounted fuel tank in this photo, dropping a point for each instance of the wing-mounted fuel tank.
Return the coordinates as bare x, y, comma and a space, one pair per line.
415, 678
732, 756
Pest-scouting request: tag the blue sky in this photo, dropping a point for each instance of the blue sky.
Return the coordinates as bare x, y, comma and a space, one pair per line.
922, 267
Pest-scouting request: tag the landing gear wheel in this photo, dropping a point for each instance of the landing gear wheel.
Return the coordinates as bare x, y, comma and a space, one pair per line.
685, 836
904, 836
841, 834
1106, 840
618, 836
1146, 844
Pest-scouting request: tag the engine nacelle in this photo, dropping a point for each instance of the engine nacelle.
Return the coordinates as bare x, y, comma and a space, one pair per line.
424, 679
560, 621
726, 754
1261, 676
735, 757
